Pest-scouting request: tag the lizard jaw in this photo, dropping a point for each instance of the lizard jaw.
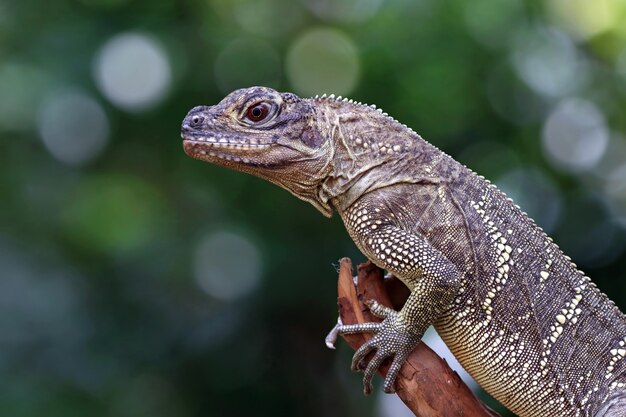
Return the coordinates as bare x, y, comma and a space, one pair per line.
225, 143
210, 148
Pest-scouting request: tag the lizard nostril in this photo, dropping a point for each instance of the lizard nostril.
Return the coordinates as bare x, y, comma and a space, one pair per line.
196, 120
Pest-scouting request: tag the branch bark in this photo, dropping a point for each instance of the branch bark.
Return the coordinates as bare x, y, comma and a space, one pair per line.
426, 384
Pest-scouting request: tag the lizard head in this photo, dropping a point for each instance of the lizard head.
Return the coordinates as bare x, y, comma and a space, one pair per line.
265, 133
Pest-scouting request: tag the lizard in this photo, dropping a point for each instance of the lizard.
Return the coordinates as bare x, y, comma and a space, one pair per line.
518, 314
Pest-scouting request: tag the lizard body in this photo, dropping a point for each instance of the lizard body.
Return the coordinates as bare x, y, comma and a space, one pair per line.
531, 328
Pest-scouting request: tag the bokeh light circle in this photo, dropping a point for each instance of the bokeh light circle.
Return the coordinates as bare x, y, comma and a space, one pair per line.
227, 265
547, 61
584, 18
73, 127
575, 136
323, 61
133, 71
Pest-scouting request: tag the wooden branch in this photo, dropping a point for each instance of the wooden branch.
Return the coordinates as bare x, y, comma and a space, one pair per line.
426, 384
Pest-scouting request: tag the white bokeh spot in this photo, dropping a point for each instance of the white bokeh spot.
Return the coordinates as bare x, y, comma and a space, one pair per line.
548, 62
73, 127
132, 70
227, 266
575, 135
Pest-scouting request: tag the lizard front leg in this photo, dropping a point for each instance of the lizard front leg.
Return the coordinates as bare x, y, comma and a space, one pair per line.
434, 281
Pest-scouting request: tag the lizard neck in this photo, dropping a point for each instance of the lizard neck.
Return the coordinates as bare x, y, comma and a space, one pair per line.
416, 163
369, 153
343, 191
373, 152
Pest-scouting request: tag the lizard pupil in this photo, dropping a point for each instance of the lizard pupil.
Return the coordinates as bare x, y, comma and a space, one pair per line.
258, 112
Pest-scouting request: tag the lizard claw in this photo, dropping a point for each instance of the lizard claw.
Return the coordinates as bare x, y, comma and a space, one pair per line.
331, 337
392, 339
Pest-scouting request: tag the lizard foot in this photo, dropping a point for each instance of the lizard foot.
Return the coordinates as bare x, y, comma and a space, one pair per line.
392, 339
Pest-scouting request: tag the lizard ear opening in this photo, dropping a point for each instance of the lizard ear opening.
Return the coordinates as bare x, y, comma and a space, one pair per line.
311, 138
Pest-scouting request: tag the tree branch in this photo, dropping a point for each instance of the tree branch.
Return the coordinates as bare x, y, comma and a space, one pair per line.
426, 384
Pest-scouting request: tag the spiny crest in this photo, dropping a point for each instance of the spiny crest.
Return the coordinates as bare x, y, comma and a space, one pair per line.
331, 98
326, 98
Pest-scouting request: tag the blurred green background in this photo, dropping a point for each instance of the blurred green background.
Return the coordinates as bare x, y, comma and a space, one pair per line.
135, 281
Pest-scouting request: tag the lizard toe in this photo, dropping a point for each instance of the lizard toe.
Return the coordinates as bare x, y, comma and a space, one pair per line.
370, 370
389, 386
359, 356
379, 310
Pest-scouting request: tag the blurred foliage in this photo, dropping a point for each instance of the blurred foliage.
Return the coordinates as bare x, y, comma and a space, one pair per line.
127, 286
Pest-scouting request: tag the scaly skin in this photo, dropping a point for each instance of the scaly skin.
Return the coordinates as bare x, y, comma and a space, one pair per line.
528, 326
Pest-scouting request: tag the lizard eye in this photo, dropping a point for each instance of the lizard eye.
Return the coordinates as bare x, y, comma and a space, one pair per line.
258, 112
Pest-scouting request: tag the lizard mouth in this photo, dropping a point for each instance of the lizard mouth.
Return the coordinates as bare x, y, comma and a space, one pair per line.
224, 143
222, 148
